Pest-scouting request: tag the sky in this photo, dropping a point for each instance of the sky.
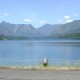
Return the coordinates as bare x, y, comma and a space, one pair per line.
39, 12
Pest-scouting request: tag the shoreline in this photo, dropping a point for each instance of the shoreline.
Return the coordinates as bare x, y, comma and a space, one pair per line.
42, 68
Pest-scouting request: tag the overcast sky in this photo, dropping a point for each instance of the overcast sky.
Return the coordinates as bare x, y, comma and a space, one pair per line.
39, 12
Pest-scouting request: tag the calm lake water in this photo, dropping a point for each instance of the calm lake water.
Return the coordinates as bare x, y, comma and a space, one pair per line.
23, 53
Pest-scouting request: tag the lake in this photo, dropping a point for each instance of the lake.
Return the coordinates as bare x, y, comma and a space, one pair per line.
27, 53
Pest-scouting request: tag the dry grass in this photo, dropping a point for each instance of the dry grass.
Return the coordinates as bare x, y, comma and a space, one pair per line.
51, 68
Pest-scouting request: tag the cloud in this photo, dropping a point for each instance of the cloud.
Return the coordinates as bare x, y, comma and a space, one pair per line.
6, 14
66, 17
28, 20
75, 14
69, 20
35, 20
60, 21
43, 21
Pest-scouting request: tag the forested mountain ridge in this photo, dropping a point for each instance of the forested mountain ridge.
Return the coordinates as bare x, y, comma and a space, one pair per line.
69, 30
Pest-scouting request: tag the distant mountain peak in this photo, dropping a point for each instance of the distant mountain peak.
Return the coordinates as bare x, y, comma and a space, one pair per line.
76, 20
3, 22
28, 30
47, 25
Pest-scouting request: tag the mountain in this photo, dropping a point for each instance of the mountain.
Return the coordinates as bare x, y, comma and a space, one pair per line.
47, 31
48, 28
20, 30
66, 29
6, 28
27, 30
